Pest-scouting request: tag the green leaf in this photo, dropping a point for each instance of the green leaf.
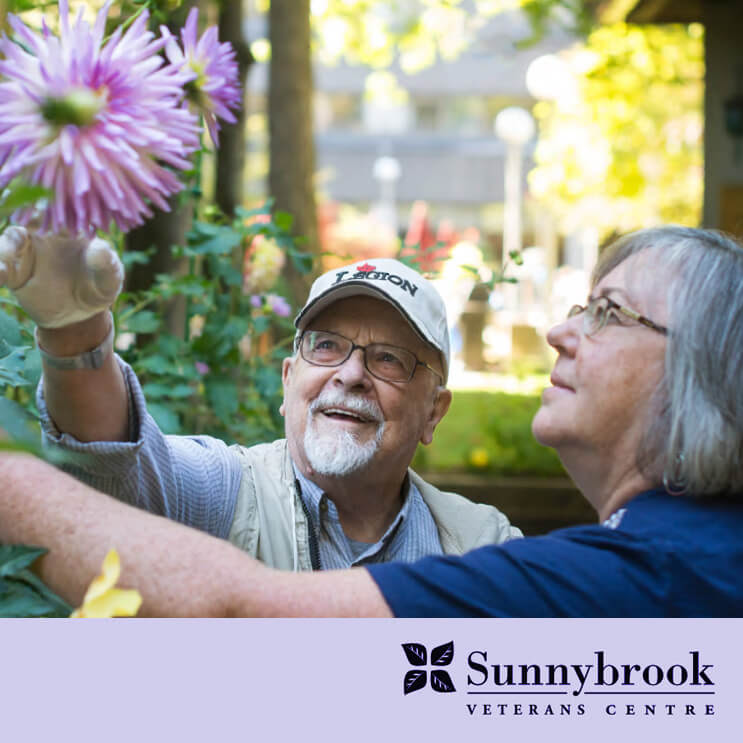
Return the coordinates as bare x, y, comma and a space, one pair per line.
131, 258
32, 367
22, 593
19, 600
222, 395
244, 213
17, 422
283, 220
165, 418
231, 275
15, 558
157, 390
516, 257
21, 194
301, 261
144, 321
157, 364
268, 381
12, 366
10, 329
59, 607
261, 324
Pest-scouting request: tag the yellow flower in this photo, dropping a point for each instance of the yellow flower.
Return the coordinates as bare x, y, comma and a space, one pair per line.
479, 458
103, 600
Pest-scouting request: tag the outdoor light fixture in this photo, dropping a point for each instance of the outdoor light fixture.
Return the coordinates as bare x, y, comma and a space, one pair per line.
515, 126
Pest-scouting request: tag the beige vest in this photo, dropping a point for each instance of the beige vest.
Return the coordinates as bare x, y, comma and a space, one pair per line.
270, 523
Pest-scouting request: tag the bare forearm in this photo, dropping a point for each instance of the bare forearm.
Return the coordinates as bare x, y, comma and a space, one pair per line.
178, 571
89, 404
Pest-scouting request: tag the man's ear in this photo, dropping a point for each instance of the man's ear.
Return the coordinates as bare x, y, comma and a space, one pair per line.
286, 372
438, 411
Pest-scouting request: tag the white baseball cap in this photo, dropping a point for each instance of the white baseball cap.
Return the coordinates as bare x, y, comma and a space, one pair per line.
414, 297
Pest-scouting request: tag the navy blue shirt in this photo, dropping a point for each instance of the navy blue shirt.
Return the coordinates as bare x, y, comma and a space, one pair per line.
659, 556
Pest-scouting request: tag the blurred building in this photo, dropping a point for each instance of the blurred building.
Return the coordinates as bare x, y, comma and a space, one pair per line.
440, 131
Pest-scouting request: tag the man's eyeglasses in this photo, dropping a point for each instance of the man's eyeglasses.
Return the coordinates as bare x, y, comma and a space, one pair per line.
385, 362
599, 309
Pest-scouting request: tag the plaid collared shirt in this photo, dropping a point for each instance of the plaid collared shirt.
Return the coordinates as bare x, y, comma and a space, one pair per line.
412, 535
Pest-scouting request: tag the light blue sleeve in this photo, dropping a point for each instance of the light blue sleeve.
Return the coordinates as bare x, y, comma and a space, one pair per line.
191, 479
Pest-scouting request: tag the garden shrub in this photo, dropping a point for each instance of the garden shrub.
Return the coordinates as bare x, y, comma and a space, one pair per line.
488, 432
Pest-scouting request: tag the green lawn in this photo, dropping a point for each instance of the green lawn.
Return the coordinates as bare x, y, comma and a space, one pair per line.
488, 432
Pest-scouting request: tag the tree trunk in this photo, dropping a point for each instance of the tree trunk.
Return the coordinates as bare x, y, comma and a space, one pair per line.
162, 232
231, 152
292, 148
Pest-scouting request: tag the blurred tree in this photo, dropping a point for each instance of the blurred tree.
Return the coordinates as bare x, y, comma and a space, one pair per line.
370, 32
231, 152
623, 148
415, 32
292, 149
164, 230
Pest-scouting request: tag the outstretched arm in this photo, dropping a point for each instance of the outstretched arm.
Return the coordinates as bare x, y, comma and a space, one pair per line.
178, 571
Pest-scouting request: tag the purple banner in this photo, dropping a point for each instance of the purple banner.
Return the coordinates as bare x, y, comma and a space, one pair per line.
370, 680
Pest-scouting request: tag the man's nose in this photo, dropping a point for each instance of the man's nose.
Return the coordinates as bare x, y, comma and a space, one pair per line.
353, 372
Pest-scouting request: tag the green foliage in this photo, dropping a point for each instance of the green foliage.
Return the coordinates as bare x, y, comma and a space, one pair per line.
221, 375
574, 15
20, 364
624, 150
379, 32
488, 432
22, 594
20, 369
16, 195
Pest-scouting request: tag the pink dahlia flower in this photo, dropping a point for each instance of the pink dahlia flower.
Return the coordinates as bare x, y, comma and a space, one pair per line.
213, 87
95, 122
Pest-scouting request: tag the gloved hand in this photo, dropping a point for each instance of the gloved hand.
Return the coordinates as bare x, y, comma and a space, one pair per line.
57, 279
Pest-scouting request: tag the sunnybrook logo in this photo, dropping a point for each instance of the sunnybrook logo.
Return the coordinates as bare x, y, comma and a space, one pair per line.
417, 655
493, 687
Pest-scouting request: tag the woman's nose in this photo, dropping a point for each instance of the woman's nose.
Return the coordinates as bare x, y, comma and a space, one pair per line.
564, 336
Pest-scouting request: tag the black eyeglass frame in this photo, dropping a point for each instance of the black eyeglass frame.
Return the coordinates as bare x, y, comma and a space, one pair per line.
577, 309
298, 346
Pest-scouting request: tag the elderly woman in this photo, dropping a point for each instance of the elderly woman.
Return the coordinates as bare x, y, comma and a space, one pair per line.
646, 413
645, 409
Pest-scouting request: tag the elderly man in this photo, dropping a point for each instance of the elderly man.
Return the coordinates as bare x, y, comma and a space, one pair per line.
645, 409
366, 383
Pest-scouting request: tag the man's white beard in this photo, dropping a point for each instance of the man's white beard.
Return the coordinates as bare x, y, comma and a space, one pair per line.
337, 453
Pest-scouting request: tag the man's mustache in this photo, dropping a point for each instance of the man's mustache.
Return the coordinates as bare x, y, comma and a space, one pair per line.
360, 406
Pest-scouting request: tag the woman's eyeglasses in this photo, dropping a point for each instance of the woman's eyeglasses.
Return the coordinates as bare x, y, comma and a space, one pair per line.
598, 310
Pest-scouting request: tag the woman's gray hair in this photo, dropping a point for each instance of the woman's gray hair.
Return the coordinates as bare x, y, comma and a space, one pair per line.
694, 439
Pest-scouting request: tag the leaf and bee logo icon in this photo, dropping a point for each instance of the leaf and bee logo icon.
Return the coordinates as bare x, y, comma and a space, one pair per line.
416, 678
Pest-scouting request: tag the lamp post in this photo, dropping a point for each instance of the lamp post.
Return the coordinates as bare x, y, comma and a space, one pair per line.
387, 171
515, 126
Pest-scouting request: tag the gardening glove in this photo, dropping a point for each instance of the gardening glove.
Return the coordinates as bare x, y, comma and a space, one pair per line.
59, 280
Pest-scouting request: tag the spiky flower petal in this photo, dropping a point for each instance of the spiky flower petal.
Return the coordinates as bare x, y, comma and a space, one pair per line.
214, 86
97, 121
